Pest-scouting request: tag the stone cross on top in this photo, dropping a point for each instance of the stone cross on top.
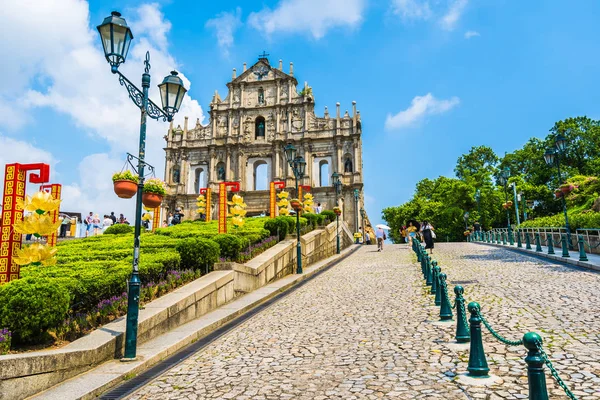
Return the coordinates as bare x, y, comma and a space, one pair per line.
263, 55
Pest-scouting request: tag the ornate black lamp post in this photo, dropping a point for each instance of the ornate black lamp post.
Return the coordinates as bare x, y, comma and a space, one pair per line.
337, 183
552, 157
116, 38
503, 180
298, 166
363, 214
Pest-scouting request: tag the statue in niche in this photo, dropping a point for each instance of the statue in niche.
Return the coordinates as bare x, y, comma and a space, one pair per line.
348, 165
221, 173
176, 174
261, 96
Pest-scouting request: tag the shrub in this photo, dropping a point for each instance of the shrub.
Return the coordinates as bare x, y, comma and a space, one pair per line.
230, 245
29, 307
303, 222
276, 225
125, 176
312, 219
291, 221
330, 215
320, 219
198, 253
118, 229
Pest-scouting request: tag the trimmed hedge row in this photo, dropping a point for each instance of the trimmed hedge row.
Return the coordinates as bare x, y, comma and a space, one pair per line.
94, 269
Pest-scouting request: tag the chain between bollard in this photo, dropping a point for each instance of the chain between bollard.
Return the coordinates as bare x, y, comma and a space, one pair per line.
553, 371
496, 334
464, 314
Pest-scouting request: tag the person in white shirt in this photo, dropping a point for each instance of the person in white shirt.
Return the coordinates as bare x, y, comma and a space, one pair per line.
318, 208
380, 236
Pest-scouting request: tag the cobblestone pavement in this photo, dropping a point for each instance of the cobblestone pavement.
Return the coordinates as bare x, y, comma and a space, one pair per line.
366, 329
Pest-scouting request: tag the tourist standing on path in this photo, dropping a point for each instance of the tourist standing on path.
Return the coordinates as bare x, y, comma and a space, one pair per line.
97, 224
380, 235
106, 223
428, 235
89, 224
113, 217
411, 231
318, 208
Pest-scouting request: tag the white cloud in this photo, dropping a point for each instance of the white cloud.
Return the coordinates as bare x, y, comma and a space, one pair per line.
62, 67
420, 107
412, 9
450, 19
315, 17
225, 24
470, 34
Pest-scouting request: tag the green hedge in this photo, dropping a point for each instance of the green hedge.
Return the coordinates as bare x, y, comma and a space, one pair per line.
230, 245
198, 253
589, 220
330, 215
29, 307
118, 229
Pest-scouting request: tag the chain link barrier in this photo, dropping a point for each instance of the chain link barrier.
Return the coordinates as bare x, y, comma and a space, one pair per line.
496, 334
465, 321
553, 371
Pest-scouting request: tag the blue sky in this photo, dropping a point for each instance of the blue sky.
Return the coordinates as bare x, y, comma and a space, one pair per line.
431, 78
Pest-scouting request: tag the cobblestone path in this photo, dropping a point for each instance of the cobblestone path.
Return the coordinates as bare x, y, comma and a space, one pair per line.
366, 329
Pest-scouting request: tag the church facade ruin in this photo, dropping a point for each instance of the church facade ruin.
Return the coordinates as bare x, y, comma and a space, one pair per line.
245, 138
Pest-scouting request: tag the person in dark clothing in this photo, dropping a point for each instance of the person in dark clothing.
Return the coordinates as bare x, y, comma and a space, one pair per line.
428, 235
177, 217
113, 217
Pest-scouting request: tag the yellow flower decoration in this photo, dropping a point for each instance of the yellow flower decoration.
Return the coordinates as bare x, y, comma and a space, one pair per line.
39, 225
238, 210
284, 211
40, 202
308, 202
283, 203
35, 254
146, 217
283, 195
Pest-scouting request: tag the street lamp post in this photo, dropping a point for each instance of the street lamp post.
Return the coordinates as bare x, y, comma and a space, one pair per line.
514, 186
362, 223
298, 166
503, 179
552, 157
478, 200
337, 183
356, 194
116, 38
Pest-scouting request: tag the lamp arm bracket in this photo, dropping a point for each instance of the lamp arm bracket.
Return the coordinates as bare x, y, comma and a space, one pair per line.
131, 157
137, 96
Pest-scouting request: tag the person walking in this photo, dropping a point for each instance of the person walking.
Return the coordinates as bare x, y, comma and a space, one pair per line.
380, 236
411, 232
106, 222
89, 224
318, 208
97, 224
428, 233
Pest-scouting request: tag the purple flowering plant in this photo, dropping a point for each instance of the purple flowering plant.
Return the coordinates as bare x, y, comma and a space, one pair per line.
5, 339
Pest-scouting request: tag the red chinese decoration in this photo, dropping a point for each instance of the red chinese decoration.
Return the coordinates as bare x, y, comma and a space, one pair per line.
273, 197
15, 176
223, 186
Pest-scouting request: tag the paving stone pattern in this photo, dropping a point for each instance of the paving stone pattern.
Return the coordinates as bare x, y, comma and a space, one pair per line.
366, 329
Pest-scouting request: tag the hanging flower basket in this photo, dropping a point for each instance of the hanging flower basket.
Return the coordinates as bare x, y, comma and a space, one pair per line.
337, 211
566, 188
558, 194
152, 200
154, 190
296, 204
466, 233
125, 184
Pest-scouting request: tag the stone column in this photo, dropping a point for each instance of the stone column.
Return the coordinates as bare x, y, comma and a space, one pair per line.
278, 91
242, 94
228, 169
211, 166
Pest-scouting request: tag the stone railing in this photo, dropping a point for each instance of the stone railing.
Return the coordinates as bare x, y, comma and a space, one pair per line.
591, 237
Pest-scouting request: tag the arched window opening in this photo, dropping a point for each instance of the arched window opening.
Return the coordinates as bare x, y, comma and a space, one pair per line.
176, 174
221, 176
348, 164
261, 96
260, 175
199, 179
259, 128
323, 173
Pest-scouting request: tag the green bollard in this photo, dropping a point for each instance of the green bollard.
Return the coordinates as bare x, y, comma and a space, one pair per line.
535, 367
434, 279
423, 261
511, 238
478, 365
418, 254
438, 287
462, 326
487, 236
527, 241
503, 239
550, 244
538, 245
428, 278
565, 247
427, 267
519, 244
582, 255
445, 307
